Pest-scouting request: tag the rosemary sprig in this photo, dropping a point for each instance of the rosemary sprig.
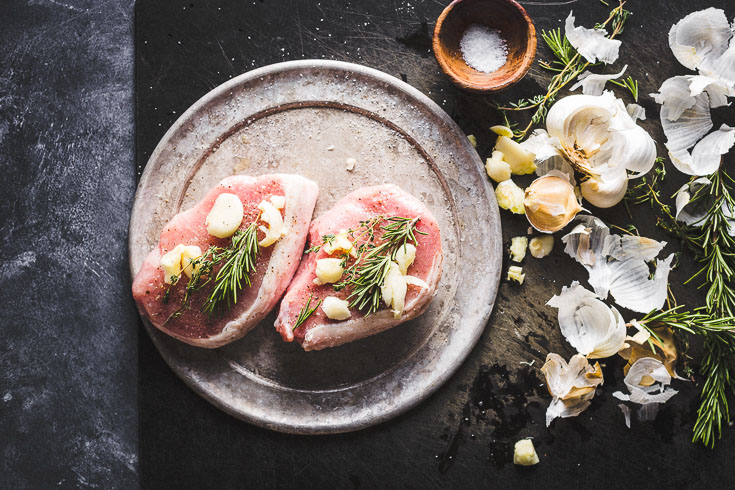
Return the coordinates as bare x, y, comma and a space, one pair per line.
306, 312
239, 262
714, 249
568, 65
630, 84
365, 277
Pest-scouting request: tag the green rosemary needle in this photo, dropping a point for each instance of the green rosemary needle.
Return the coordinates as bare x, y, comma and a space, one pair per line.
305, 313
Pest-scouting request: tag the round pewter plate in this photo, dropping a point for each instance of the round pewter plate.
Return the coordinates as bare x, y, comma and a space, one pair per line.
309, 117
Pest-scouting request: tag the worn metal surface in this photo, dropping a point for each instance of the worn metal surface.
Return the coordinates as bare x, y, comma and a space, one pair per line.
308, 117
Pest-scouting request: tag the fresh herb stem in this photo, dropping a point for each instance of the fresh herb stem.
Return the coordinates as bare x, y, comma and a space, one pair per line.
306, 312
239, 262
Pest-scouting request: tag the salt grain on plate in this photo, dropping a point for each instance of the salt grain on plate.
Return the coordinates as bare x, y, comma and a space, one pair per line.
483, 48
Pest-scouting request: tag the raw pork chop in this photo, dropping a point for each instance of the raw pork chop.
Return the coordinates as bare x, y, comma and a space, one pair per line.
319, 332
275, 265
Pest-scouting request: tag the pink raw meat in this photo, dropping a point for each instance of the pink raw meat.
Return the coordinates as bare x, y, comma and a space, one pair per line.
319, 332
275, 264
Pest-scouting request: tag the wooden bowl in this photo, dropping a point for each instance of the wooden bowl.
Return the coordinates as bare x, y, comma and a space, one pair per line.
506, 16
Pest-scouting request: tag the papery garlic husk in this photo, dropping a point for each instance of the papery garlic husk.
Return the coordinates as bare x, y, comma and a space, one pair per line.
572, 385
692, 214
617, 265
706, 156
647, 381
592, 44
594, 83
589, 325
638, 346
550, 202
700, 37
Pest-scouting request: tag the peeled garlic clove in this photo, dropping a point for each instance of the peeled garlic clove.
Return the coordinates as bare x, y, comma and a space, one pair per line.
473, 140
171, 264
550, 202
335, 308
524, 454
497, 168
510, 196
405, 256
521, 160
188, 255
605, 191
540, 247
340, 244
328, 271
394, 290
225, 216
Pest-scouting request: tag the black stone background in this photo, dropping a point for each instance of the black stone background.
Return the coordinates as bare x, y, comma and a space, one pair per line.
77, 411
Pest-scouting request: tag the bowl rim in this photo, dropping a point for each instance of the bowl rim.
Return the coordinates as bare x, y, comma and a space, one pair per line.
529, 55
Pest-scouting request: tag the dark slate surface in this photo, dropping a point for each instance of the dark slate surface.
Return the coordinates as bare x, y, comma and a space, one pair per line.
71, 415
68, 372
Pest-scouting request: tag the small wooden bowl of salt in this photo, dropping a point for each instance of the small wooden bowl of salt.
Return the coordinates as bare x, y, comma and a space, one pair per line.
484, 45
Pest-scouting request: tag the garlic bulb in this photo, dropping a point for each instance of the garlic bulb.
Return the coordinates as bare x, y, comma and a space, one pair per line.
597, 136
550, 202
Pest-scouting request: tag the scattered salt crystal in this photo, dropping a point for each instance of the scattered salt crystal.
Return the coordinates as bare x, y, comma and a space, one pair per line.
483, 48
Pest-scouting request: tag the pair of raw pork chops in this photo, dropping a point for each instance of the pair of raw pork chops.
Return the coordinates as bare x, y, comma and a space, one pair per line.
283, 267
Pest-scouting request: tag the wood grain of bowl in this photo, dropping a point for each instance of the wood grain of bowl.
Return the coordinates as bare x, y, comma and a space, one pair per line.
506, 16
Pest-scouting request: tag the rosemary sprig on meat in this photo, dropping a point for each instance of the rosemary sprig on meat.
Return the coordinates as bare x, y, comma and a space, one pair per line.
306, 312
239, 259
365, 277
239, 262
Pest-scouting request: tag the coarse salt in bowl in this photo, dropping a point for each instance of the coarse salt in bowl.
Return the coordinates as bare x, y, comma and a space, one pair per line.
484, 45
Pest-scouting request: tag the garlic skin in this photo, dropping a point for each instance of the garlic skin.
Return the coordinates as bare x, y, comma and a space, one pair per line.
550, 202
592, 44
510, 196
542, 246
648, 383
497, 168
571, 386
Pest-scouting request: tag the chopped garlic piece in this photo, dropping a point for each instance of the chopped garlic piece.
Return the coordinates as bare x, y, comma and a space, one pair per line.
275, 229
516, 274
510, 196
188, 255
518, 247
225, 216
394, 290
502, 131
521, 161
524, 453
540, 247
350, 163
340, 244
335, 308
328, 271
497, 168
405, 257
171, 264
473, 140
279, 202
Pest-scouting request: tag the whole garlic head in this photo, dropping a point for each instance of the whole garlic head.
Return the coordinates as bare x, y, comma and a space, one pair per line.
550, 202
597, 136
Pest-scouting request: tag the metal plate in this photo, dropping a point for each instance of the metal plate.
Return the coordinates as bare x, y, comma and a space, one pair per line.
308, 117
